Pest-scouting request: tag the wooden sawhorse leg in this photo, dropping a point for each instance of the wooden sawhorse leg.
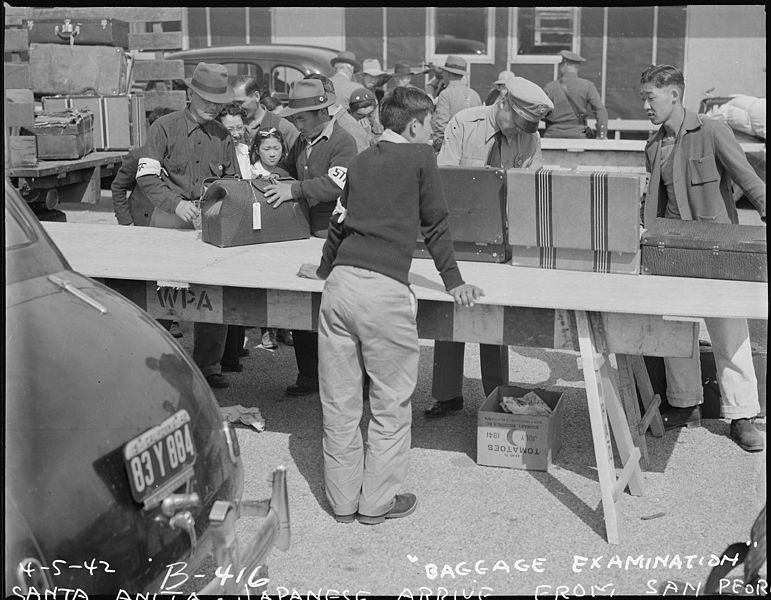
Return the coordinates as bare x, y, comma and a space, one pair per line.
631, 371
605, 405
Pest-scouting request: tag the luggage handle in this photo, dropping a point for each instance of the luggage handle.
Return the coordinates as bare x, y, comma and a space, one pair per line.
68, 32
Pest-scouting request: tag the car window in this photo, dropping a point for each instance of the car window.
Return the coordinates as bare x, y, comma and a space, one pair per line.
282, 78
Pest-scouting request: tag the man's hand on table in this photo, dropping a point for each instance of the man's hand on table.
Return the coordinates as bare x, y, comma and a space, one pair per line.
308, 271
466, 294
187, 211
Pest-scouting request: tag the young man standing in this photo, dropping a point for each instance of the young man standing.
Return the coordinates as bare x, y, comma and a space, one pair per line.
319, 162
455, 97
367, 317
692, 161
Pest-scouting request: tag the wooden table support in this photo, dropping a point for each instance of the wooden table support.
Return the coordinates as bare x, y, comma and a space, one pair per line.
605, 404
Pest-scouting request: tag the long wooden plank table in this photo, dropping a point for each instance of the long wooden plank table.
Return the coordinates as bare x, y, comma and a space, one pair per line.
173, 274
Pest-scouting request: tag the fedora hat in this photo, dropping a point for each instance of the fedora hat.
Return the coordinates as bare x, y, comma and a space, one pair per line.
455, 64
402, 67
372, 67
347, 57
210, 82
305, 95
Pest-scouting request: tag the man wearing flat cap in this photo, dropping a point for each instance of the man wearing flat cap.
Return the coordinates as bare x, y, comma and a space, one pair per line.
574, 99
456, 96
318, 160
504, 135
183, 149
345, 65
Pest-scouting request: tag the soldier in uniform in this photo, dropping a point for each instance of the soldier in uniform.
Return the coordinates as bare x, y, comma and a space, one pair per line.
504, 135
574, 99
183, 149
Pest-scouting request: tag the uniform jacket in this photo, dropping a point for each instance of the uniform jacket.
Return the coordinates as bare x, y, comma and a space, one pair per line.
455, 97
322, 174
470, 136
706, 158
562, 121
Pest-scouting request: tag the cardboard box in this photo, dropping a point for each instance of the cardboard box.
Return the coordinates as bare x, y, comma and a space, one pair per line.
117, 125
67, 134
518, 441
577, 221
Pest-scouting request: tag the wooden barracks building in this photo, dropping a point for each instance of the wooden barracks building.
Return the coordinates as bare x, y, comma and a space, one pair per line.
721, 48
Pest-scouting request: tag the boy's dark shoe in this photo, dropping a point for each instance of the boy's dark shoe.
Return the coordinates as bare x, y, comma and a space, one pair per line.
746, 435
447, 407
682, 417
301, 390
217, 380
403, 507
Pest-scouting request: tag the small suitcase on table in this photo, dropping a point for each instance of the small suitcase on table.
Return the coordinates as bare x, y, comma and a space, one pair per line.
477, 213
86, 32
234, 212
705, 250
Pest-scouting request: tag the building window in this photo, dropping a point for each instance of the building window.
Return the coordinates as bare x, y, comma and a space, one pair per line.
467, 32
543, 31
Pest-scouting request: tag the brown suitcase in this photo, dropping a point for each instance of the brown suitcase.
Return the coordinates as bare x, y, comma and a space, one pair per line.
477, 205
705, 250
57, 69
67, 134
84, 32
234, 212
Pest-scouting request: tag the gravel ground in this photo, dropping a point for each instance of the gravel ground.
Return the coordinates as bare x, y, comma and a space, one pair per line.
485, 530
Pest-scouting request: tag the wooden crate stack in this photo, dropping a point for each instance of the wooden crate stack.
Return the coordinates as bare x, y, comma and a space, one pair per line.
19, 101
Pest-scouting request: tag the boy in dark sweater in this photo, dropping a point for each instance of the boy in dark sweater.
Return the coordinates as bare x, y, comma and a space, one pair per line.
367, 317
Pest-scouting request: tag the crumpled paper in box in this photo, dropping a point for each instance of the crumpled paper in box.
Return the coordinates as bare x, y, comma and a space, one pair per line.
529, 404
247, 416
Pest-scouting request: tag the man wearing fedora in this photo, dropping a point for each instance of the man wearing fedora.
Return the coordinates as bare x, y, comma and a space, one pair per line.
183, 149
504, 135
345, 65
456, 96
574, 98
319, 162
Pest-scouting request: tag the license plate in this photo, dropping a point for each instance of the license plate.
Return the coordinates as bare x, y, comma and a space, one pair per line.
160, 459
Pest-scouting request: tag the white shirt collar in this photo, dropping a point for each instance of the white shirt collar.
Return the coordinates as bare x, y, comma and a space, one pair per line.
389, 135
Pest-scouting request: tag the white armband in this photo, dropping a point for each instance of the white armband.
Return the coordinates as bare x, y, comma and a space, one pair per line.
338, 174
148, 166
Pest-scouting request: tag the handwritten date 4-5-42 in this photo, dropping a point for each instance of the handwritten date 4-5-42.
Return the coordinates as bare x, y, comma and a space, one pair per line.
60, 566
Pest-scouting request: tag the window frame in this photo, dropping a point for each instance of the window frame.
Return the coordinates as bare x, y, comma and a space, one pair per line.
485, 59
540, 59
